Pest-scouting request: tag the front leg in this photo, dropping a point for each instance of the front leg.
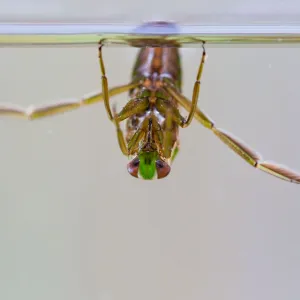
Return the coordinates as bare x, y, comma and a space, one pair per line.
120, 135
133, 107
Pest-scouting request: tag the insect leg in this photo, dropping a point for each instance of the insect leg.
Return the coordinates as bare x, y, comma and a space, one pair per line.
32, 113
158, 135
120, 135
133, 107
239, 147
186, 104
104, 83
196, 90
168, 134
172, 117
133, 143
166, 108
193, 106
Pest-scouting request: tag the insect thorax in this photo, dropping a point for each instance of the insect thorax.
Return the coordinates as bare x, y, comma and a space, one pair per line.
152, 123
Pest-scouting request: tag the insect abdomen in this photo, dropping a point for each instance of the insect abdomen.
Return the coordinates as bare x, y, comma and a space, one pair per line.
159, 61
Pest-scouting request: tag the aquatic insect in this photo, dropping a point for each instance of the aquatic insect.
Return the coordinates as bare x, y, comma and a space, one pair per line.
152, 115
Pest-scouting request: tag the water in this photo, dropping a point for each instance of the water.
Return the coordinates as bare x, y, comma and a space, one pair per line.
75, 225
124, 34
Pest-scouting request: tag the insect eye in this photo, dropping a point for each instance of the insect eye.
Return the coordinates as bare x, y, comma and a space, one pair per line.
162, 168
133, 167
135, 162
159, 164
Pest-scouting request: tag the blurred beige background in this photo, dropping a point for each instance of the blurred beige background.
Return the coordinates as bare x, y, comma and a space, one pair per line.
75, 225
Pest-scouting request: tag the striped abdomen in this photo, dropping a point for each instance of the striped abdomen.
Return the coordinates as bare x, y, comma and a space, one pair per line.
158, 62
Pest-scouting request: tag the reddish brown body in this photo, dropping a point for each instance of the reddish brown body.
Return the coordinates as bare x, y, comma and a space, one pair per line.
155, 63
152, 66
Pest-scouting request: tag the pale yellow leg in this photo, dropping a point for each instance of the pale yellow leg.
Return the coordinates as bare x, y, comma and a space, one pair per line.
133, 143
120, 135
32, 113
104, 84
168, 133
